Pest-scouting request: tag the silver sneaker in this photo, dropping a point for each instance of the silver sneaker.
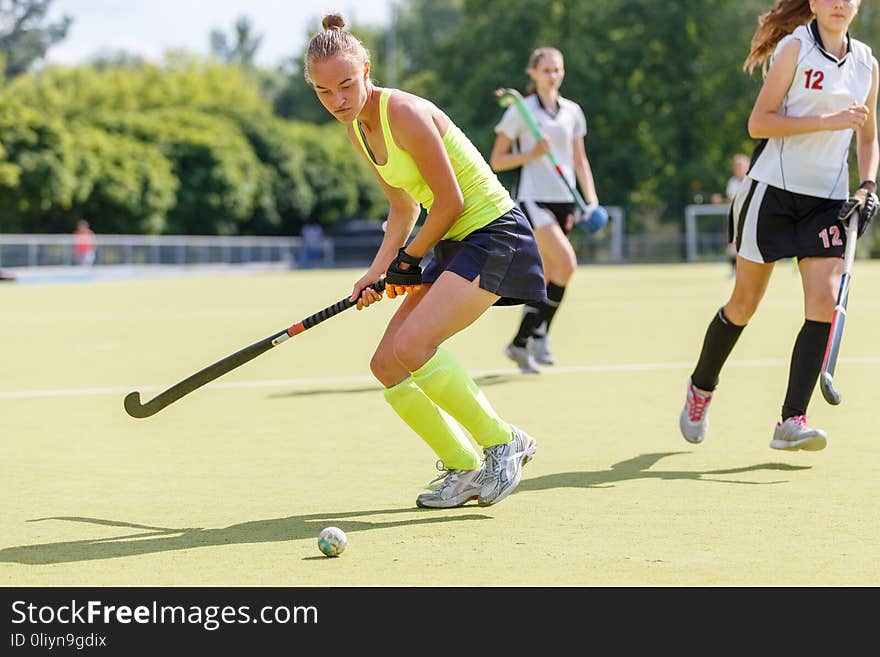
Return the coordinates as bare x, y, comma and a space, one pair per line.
503, 466
456, 488
540, 348
694, 417
795, 433
523, 358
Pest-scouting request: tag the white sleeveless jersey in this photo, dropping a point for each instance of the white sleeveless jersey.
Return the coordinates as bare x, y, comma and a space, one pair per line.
538, 179
816, 163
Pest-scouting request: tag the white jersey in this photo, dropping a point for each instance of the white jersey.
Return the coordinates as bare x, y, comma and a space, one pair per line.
538, 179
816, 163
733, 185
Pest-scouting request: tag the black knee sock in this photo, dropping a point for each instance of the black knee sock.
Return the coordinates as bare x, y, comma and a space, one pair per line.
720, 338
548, 308
531, 320
806, 362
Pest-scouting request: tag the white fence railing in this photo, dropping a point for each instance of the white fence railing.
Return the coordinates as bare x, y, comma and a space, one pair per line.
704, 238
49, 250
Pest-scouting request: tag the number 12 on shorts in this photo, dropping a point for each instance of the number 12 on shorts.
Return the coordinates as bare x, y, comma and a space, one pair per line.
830, 237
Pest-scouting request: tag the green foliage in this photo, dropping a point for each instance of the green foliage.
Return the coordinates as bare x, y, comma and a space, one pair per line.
44, 184
128, 185
57, 171
219, 173
190, 147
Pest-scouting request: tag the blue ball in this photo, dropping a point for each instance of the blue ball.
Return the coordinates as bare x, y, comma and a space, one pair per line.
597, 220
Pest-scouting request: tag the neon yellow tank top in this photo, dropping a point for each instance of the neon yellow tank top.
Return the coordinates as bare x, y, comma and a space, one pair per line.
485, 198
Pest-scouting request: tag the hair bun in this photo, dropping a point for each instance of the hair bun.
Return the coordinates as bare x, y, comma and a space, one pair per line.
333, 21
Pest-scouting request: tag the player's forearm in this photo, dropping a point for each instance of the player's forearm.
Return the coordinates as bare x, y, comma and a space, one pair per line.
508, 161
587, 184
765, 125
397, 231
437, 223
868, 157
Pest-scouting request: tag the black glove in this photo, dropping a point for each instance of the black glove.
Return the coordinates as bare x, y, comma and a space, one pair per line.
865, 198
399, 281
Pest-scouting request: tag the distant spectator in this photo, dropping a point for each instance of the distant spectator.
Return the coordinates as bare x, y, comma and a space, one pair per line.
313, 245
740, 169
83, 244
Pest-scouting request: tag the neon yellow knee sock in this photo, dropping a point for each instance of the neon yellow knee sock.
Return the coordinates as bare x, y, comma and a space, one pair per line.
436, 428
449, 386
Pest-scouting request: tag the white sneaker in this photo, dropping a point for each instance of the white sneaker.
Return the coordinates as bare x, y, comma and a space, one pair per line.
503, 466
523, 358
795, 433
540, 348
456, 487
694, 417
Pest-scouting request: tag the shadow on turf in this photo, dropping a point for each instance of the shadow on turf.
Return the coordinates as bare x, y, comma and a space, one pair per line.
482, 381
639, 468
164, 539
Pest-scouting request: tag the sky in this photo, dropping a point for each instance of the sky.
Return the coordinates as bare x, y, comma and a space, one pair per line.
150, 27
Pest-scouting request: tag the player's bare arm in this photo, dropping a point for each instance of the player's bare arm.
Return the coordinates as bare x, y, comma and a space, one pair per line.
502, 159
418, 128
867, 150
402, 216
584, 172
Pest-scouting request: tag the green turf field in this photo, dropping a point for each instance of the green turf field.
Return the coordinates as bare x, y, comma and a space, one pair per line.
231, 485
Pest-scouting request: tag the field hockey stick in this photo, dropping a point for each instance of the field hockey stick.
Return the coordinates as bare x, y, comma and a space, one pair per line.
826, 377
506, 96
133, 404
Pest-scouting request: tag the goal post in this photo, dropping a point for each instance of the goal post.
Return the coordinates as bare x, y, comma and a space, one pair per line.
705, 229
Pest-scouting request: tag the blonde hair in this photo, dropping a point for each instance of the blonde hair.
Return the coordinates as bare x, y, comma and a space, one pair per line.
779, 22
333, 40
537, 55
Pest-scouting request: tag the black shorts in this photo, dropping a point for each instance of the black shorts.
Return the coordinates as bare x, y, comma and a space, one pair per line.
541, 214
504, 254
769, 224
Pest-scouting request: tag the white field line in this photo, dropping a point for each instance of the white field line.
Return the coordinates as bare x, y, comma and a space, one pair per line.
334, 380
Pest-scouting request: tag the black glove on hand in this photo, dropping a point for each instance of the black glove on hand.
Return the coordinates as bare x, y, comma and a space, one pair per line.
868, 190
400, 281
865, 197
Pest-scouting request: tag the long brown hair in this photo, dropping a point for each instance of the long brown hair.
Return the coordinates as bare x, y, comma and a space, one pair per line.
780, 21
333, 40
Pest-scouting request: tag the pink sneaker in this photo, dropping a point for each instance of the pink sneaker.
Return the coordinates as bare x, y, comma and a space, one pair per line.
795, 433
694, 417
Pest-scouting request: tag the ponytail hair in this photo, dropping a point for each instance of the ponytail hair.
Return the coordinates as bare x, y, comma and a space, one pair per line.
779, 22
333, 40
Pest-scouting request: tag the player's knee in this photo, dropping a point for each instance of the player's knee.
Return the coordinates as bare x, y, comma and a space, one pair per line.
820, 304
383, 365
410, 349
567, 268
740, 309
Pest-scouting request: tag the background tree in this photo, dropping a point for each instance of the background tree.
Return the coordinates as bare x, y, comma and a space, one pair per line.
24, 35
241, 49
188, 148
